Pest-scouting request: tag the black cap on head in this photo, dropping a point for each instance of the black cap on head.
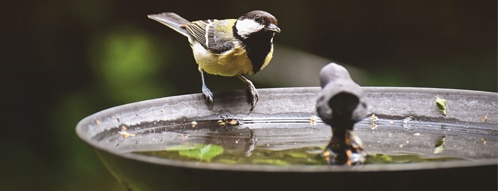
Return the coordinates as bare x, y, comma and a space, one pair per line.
260, 16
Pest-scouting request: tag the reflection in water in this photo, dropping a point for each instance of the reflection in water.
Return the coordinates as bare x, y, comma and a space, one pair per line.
284, 141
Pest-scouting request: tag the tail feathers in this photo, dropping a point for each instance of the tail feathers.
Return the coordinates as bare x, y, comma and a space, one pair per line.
172, 20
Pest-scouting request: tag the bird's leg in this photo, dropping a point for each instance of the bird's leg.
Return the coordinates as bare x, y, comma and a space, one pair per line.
252, 93
205, 90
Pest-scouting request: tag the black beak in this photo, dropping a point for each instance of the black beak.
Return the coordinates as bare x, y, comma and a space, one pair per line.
272, 27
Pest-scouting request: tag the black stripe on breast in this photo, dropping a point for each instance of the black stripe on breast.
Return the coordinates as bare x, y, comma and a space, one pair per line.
257, 46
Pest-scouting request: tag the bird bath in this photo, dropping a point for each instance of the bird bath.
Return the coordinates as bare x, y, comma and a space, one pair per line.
411, 145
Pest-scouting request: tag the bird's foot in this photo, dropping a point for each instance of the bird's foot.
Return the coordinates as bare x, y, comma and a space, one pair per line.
208, 95
252, 95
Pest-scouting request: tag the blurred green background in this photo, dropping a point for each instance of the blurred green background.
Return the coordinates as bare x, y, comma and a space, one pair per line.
64, 60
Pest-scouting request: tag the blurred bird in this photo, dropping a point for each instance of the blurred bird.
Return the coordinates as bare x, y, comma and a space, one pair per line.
228, 47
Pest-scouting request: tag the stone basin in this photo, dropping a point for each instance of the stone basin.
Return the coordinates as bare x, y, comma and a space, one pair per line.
401, 120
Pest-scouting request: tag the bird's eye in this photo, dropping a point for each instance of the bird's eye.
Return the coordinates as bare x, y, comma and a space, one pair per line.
257, 19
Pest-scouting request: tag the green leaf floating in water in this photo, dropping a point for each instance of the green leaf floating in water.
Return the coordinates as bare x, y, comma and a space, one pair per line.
441, 104
440, 145
296, 154
198, 151
379, 158
184, 147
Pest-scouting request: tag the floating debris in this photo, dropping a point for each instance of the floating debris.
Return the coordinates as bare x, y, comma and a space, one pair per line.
440, 145
230, 122
373, 120
233, 122
484, 119
126, 134
313, 120
373, 126
441, 105
483, 140
184, 136
194, 124
406, 121
221, 123
98, 123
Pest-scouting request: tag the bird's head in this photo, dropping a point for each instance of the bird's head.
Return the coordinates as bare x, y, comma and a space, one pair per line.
256, 22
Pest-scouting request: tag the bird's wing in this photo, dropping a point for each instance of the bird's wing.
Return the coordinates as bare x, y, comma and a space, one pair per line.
214, 35
197, 30
220, 35
172, 20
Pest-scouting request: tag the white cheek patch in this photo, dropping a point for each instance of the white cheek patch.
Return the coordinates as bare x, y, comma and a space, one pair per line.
247, 26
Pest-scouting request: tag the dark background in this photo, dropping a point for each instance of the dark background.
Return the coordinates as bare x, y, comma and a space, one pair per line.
64, 60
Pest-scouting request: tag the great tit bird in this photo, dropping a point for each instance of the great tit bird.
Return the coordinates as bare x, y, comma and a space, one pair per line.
228, 47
